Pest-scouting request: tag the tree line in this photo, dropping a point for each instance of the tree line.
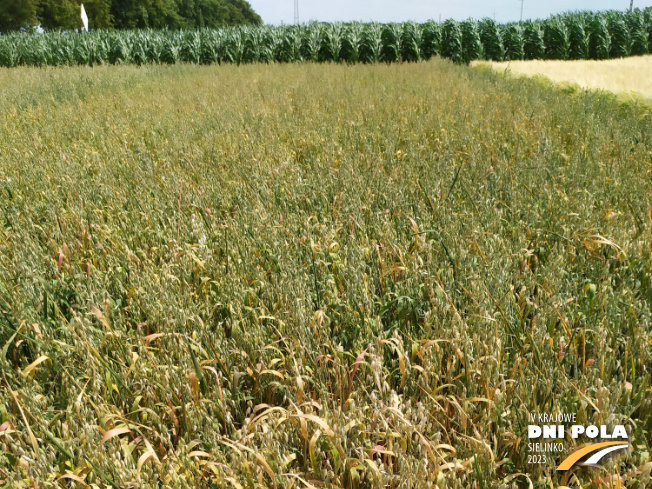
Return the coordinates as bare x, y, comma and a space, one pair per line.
125, 14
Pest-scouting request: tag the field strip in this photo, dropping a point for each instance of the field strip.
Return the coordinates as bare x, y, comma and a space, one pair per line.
632, 76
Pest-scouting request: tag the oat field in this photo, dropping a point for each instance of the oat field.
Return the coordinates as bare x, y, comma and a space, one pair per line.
318, 275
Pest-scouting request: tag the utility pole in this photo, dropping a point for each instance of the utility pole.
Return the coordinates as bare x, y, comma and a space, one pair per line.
522, 1
631, 5
296, 12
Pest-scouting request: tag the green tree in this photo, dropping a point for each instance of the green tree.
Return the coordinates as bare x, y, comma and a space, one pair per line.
125, 14
138, 14
66, 14
99, 14
240, 12
59, 14
17, 14
216, 13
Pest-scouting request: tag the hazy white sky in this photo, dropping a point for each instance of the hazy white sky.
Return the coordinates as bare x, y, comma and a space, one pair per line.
282, 11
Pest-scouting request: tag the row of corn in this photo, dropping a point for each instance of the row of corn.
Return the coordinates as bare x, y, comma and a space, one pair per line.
582, 35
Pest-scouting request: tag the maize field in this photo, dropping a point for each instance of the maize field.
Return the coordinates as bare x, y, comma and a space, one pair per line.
583, 35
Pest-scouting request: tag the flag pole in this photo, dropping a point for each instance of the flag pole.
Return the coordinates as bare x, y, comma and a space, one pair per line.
84, 18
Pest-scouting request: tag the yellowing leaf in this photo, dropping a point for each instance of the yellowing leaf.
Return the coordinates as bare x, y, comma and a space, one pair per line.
609, 216
382, 450
199, 453
320, 422
35, 364
152, 337
313, 442
234, 481
265, 465
415, 227
288, 460
115, 432
73, 477
194, 384
143, 459
374, 468
101, 317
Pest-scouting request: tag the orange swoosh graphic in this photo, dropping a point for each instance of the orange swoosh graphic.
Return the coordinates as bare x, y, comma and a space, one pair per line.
575, 456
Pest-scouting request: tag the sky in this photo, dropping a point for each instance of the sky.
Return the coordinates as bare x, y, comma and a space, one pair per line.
282, 11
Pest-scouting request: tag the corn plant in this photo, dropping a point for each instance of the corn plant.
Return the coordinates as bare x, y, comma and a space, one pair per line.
171, 51
599, 38
555, 38
264, 44
289, 49
230, 46
9, 53
411, 41
513, 41
391, 38
533, 45
310, 42
471, 43
351, 42
331, 42
451, 41
637, 27
621, 40
648, 25
430, 39
371, 43
578, 39
492, 41
154, 48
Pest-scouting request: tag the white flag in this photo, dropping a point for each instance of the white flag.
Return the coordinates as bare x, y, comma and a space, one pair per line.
84, 18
